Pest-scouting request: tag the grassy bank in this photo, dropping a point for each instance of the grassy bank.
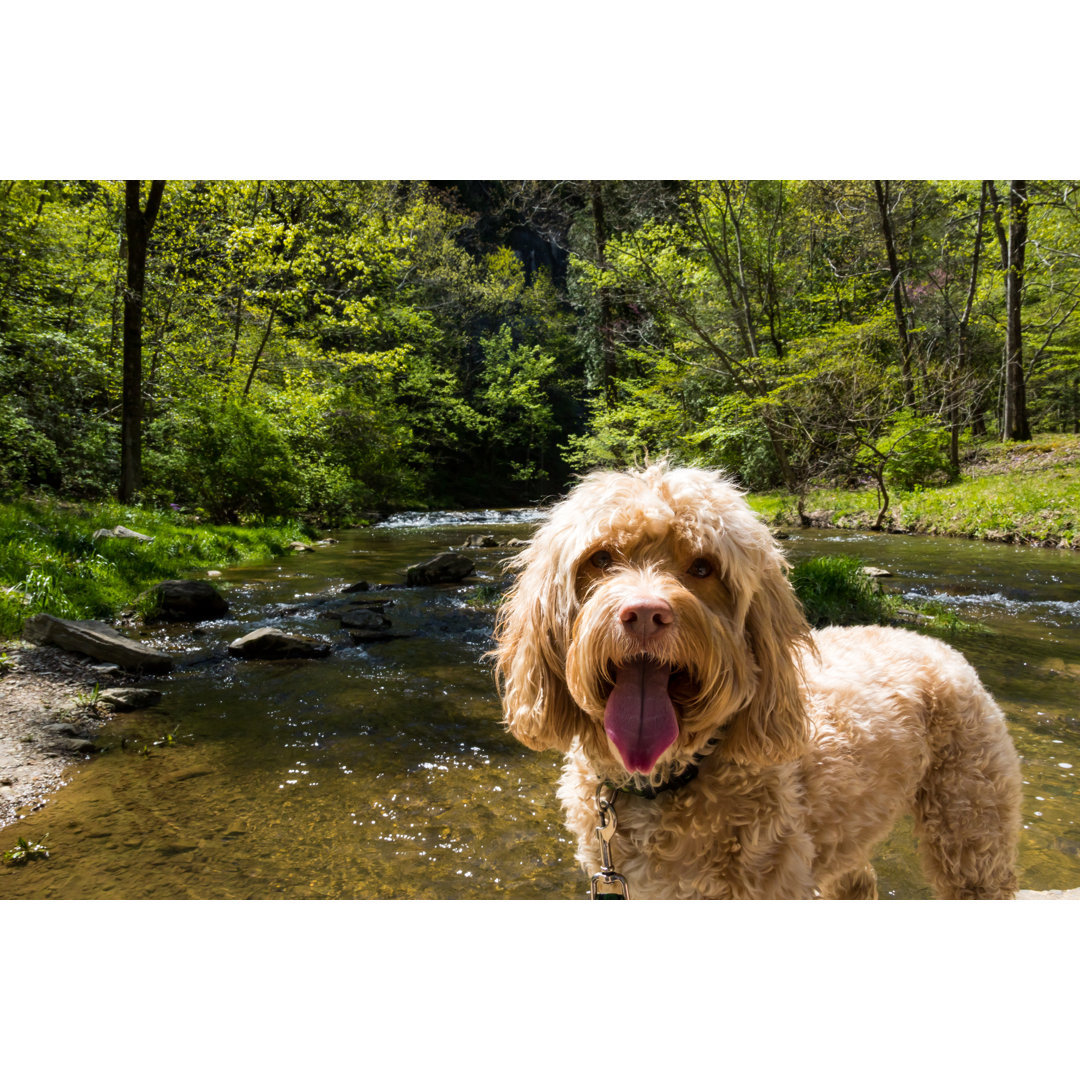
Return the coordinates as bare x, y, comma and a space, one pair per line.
1021, 493
50, 562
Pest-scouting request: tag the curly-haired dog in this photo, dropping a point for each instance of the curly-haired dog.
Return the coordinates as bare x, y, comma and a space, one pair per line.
653, 636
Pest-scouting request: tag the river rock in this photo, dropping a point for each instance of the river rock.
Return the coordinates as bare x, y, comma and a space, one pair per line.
126, 698
366, 637
121, 532
67, 730
297, 545
876, 571
359, 586
447, 567
268, 643
516, 542
364, 619
480, 540
77, 746
187, 601
97, 640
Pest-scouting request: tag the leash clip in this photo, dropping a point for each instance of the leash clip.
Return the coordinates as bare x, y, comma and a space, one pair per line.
605, 831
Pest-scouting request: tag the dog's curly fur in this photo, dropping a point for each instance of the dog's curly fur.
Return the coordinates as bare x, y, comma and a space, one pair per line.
814, 743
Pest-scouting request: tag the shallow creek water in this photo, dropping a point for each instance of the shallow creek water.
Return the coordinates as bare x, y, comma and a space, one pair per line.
382, 771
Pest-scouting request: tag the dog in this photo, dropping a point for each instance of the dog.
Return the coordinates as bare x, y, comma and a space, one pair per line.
653, 637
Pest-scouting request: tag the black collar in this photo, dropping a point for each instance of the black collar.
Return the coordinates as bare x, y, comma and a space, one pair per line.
672, 783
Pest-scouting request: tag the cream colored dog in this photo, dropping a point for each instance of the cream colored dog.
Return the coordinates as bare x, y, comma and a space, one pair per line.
652, 636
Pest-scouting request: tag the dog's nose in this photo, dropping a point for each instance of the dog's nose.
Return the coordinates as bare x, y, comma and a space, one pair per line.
645, 616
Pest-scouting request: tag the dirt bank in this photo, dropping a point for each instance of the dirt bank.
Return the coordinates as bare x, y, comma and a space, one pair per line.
46, 724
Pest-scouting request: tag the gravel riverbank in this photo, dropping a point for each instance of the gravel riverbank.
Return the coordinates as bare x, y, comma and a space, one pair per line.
45, 724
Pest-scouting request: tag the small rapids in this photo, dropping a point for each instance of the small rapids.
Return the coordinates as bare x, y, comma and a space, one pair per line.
438, 519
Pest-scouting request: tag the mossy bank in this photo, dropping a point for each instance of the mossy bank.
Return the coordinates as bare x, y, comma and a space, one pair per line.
1023, 493
52, 561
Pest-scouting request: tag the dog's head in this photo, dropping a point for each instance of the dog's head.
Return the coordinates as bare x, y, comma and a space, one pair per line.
652, 613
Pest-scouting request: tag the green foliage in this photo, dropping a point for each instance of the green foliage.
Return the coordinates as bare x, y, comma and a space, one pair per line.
914, 451
324, 348
834, 591
735, 440
516, 399
88, 699
345, 316
50, 562
26, 851
1032, 497
229, 462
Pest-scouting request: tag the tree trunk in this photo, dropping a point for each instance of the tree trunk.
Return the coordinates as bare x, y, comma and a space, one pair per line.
138, 223
259, 351
1014, 419
896, 287
607, 317
240, 287
963, 350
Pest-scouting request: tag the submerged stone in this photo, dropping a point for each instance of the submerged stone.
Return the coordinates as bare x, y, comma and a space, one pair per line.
447, 567
268, 643
126, 698
364, 619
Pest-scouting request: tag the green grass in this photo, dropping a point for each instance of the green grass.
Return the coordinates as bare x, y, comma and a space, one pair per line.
1028, 493
50, 562
834, 591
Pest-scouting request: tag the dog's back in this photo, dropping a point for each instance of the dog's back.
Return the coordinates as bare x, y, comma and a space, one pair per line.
901, 723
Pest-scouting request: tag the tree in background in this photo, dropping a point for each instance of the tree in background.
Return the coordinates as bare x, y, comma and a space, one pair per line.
138, 221
1014, 422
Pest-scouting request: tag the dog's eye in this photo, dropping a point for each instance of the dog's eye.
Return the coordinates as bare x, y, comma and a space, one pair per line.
601, 560
700, 568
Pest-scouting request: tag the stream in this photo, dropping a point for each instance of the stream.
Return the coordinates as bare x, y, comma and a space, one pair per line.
381, 771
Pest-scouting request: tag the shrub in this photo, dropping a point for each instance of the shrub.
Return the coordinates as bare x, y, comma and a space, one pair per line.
229, 462
26, 455
918, 452
834, 591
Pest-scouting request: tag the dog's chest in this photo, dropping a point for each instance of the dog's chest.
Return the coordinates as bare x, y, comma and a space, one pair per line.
721, 837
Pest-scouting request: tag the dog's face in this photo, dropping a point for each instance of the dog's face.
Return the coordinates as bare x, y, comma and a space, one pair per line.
650, 615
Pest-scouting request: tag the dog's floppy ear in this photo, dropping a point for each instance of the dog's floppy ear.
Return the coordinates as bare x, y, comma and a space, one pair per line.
530, 654
772, 728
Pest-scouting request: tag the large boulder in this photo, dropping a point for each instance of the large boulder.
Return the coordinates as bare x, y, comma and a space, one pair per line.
97, 640
268, 643
447, 567
187, 601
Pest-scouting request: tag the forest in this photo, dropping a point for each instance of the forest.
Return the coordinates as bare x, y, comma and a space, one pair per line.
252, 350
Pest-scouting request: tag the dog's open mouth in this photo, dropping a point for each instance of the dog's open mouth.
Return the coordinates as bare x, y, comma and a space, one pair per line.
639, 716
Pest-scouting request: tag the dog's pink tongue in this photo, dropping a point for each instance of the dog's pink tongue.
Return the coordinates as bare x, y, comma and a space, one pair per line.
639, 717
